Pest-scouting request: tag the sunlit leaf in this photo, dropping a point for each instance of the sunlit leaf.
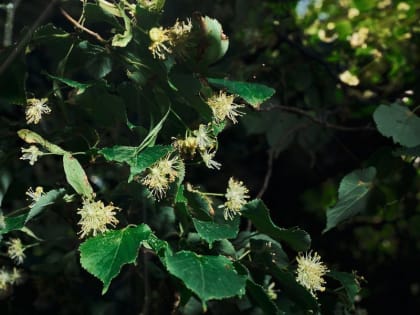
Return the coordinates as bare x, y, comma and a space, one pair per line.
253, 93
399, 123
213, 231
210, 277
76, 176
104, 255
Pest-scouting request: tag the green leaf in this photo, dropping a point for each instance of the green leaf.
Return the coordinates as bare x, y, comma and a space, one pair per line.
210, 277
118, 153
199, 206
137, 162
13, 223
109, 8
74, 84
259, 297
152, 135
97, 13
148, 157
45, 200
161, 248
352, 196
104, 108
253, 93
349, 282
32, 137
297, 293
214, 43
104, 255
364, 5
265, 250
76, 176
189, 87
122, 40
19, 221
398, 123
214, 231
257, 212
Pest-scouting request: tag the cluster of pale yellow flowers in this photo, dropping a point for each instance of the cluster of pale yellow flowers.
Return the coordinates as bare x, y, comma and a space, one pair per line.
34, 195
151, 5
96, 217
358, 38
15, 251
35, 109
236, 197
223, 107
166, 41
200, 140
161, 174
310, 272
32, 153
9, 277
349, 78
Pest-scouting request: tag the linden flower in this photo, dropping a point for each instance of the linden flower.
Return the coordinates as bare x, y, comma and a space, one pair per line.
359, 38
348, 78
352, 13
152, 5
16, 250
170, 167
32, 153
35, 109
236, 195
204, 139
403, 6
4, 279
34, 195
95, 217
223, 107
156, 181
383, 4
16, 276
180, 35
181, 30
161, 174
310, 272
161, 42
208, 160
187, 147
271, 292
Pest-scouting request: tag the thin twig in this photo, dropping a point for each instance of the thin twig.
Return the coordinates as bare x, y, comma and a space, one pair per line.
268, 174
80, 26
266, 181
326, 124
27, 37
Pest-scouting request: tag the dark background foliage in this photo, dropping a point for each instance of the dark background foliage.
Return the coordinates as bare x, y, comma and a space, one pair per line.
313, 132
